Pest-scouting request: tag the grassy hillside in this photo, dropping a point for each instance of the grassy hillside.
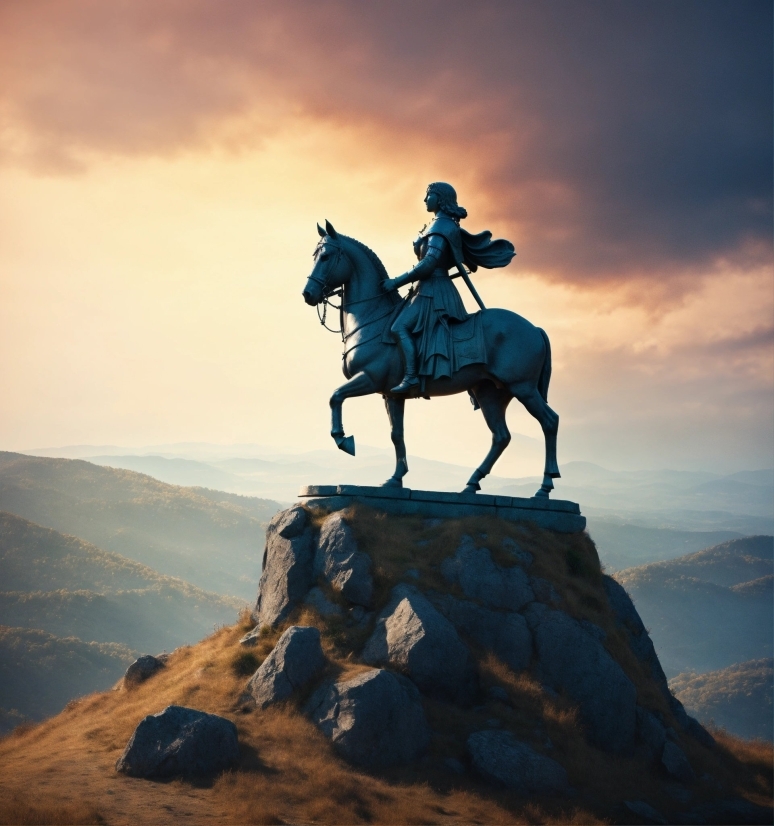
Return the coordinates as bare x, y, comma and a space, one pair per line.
40, 672
288, 771
210, 540
738, 698
710, 609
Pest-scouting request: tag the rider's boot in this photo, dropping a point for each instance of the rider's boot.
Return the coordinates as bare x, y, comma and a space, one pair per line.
410, 380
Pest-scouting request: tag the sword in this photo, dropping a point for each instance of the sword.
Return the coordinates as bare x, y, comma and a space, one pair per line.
463, 274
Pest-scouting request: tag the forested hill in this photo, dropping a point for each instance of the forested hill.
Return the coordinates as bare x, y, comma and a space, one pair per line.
210, 539
711, 609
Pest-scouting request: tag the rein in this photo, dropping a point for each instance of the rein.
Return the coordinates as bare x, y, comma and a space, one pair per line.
339, 292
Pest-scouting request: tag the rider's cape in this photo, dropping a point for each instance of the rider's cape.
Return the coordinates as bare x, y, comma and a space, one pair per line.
472, 250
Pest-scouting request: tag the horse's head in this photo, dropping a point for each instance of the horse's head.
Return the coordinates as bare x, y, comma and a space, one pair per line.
332, 267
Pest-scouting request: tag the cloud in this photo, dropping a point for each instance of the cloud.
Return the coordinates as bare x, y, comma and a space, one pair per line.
613, 142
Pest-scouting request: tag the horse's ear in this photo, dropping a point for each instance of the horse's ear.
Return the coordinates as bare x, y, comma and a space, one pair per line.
321, 231
330, 230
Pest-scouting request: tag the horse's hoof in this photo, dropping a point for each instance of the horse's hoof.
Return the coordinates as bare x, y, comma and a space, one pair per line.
542, 494
392, 482
346, 443
473, 487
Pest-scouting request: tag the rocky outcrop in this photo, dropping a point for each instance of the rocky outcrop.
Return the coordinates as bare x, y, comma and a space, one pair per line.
429, 637
505, 761
504, 633
675, 762
339, 561
180, 741
287, 566
296, 659
374, 720
570, 659
412, 636
141, 669
481, 579
642, 648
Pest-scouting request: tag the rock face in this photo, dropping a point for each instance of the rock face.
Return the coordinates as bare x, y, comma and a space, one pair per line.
296, 659
338, 559
142, 668
676, 763
504, 633
415, 638
429, 637
494, 586
287, 566
502, 759
374, 720
180, 741
572, 660
642, 648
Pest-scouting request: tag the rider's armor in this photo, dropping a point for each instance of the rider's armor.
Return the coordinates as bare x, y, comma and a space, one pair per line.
422, 328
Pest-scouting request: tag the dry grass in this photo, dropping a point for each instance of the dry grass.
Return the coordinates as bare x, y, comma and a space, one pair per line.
289, 773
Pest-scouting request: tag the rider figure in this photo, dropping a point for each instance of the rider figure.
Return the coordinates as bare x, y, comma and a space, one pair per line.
435, 302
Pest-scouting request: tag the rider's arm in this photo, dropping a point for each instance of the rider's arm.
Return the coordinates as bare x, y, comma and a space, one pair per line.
436, 244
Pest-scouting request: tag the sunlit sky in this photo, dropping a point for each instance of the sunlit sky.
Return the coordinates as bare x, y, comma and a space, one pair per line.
163, 165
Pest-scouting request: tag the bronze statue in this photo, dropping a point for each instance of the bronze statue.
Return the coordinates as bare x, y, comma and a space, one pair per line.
495, 355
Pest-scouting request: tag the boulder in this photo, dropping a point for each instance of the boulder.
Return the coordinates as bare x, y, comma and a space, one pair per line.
412, 636
494, 586
523, 557
505, 761
180, 741
675, 762
651, 732
296, 659
325, 608
642, 648
287, 566
572, 660
338, 559
374, 720
544, 591
504, 633
142, 668
645, 812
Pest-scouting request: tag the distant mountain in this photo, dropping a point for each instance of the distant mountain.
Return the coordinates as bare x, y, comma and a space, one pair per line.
206, 538
72, 588
738, 698
40, 672
710, 609
749, 492
624, 545
73, 616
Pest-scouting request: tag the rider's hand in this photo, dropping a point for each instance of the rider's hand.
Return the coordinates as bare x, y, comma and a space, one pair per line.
390, 284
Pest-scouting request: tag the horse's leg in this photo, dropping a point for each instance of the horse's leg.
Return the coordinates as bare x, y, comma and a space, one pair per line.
549, 422
395, 409
493, 404
359, 385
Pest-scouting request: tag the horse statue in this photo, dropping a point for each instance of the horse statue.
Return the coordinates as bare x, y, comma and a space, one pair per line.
515, 363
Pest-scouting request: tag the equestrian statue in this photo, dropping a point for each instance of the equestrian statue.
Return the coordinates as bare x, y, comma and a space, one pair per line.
427, 344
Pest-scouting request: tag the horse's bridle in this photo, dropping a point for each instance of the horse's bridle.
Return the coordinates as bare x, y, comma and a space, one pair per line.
327, 293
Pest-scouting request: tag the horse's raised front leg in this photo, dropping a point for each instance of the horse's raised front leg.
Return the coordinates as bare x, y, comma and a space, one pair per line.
395, 410
359, 385
493, 404
549, 422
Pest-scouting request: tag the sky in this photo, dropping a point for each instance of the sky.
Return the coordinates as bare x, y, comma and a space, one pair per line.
163, 164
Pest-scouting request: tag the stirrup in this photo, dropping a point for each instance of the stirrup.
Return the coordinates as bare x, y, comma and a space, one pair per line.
408, 383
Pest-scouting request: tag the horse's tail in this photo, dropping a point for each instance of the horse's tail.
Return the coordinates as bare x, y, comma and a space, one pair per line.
545, 370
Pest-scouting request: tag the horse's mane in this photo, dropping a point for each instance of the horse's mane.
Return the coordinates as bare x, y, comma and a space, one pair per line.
371, 255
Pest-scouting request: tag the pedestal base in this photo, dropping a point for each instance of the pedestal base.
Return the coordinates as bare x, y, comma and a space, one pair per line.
554, 514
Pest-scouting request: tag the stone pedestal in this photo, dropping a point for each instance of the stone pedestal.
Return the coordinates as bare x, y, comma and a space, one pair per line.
554, 514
